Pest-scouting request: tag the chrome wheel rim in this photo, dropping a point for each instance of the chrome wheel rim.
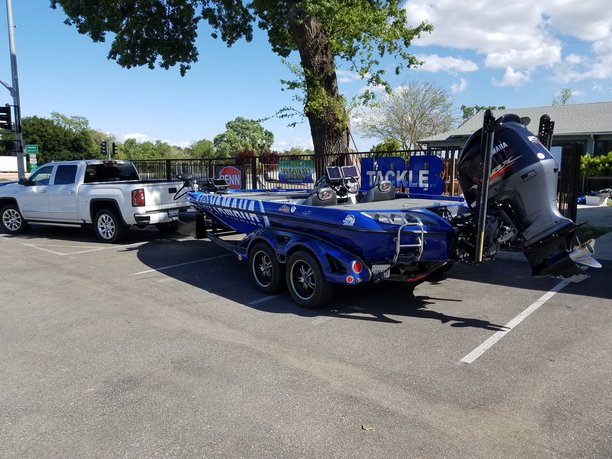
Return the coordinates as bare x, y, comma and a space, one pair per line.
106, 226
11, 219
262, 269
303, 280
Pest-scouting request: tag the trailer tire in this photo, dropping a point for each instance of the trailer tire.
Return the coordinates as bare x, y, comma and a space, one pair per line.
11, 220
108, 226
266, 271
306, 282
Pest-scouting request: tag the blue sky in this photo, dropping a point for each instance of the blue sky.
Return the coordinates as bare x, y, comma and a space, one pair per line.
485, 52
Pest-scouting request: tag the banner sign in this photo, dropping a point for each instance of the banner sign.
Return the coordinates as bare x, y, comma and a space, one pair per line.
296, 171
232, 175
422, 175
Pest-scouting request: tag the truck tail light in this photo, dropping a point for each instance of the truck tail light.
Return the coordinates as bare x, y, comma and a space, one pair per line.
138, 197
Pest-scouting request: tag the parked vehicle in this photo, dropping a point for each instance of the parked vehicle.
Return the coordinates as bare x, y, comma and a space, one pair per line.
308, 241
107, 194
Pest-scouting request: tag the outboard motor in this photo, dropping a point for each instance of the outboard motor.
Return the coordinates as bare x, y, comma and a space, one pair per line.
522, 204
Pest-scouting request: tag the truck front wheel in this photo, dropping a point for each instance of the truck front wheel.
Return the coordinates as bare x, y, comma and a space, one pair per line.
306, 282
11, 220
108, 226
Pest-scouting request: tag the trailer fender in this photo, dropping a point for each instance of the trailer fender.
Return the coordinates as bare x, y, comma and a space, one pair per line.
338, 265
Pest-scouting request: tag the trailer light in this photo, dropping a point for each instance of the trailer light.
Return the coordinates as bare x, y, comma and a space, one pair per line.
357, 267
138, 197
350, 279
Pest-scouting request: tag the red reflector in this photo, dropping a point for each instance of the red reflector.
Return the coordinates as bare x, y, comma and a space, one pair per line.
357, 267
350, 279
138, 197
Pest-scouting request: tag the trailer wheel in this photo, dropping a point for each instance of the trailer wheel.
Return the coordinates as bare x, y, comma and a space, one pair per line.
266, 271
305, 281
11, 220
108, 226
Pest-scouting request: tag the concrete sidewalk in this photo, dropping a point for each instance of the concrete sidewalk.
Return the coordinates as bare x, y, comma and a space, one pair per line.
598, 216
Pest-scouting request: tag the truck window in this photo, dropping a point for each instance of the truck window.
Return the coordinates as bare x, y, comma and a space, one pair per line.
65, 175
110, 172
41, 176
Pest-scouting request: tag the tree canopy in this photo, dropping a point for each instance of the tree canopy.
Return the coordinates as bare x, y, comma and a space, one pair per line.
57, 142
358, 32
468, 111
408, 114
242, 134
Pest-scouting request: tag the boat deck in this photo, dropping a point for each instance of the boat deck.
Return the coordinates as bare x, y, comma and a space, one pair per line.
297, 198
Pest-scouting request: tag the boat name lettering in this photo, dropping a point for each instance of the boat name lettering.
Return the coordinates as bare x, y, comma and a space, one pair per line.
500, 147
243, 209
399, 176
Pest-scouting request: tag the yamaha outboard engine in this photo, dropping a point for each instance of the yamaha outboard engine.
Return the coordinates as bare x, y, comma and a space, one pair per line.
522, 204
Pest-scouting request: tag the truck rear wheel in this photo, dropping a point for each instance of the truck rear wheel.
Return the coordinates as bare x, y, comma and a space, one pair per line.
108, 226
266, 271
305, 281
11, 220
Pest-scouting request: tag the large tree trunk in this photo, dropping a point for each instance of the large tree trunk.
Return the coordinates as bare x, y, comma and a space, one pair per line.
324, 107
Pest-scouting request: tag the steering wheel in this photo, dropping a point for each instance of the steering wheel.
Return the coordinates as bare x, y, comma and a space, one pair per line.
350, 184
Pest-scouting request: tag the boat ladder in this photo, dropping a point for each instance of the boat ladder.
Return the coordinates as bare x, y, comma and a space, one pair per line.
420, 238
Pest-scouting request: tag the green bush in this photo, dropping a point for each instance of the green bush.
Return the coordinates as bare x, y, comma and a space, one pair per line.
596, 166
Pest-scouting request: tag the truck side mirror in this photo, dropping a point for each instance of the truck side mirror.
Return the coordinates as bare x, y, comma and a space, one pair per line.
23, 181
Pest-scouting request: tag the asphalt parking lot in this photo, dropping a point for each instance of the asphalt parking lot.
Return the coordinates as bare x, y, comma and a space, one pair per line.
160, 347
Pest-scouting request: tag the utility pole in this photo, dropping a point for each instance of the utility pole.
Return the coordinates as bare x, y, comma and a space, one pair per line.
14, 91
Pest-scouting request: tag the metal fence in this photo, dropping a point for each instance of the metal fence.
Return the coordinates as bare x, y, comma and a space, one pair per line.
263, 172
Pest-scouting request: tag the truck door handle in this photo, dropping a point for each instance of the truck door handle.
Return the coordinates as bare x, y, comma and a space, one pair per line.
42, 191
70, 192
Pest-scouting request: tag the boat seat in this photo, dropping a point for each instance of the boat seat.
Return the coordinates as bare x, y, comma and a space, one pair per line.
322, 197
384, 191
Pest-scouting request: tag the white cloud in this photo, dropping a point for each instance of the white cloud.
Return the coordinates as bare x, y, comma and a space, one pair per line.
597, 87
512, 77
299, 142
347, 76
521, 36
137, 137
435, 63
459, 87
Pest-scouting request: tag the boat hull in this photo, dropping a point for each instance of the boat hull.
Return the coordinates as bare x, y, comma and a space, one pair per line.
424, 236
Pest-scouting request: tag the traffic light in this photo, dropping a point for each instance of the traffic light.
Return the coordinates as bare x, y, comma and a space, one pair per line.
103, 148
114, 149
5, 118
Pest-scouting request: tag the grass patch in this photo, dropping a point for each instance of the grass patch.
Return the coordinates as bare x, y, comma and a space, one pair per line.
586, 232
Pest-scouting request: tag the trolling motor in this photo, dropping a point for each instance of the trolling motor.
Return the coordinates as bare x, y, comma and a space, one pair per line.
509, 180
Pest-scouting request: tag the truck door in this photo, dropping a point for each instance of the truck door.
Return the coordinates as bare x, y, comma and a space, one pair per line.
33, 198
63, 194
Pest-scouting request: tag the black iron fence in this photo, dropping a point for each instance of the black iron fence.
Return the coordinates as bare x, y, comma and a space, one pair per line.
263, 172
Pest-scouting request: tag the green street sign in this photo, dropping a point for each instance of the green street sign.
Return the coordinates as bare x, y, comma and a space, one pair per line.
32, 149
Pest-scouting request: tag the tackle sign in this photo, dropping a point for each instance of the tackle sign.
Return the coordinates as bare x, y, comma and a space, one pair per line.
422, 175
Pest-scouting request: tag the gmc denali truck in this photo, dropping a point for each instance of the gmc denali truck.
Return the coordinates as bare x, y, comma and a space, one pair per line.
106, 194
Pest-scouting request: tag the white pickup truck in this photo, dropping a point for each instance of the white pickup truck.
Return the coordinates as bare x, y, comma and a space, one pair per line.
107, 194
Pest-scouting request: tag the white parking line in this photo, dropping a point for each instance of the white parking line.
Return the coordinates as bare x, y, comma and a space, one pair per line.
513, 323
162, 268
86, 249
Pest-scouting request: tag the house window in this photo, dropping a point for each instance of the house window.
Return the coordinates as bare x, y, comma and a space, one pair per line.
601, 148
